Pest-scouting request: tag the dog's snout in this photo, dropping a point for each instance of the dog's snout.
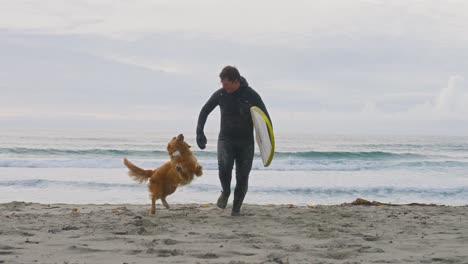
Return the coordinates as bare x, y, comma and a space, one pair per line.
180, 137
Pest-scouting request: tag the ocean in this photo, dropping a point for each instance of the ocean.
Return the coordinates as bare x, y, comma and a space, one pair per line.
86, 167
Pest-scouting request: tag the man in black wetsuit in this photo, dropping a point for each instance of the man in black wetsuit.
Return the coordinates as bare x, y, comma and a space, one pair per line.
236, 139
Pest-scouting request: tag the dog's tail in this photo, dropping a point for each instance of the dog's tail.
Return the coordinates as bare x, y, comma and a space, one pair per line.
138, 174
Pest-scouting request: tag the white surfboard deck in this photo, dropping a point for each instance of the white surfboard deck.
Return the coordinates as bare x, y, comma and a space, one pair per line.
263, 135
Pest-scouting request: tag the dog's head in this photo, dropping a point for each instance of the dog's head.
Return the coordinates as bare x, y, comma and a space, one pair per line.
177, 146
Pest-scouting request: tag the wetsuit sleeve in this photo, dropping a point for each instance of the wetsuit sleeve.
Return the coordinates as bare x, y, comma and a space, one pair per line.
206, 110
259, 103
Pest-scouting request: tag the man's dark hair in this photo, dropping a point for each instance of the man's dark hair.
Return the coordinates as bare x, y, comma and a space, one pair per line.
230, 73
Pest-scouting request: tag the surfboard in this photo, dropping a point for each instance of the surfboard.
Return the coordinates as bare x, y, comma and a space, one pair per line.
263, 135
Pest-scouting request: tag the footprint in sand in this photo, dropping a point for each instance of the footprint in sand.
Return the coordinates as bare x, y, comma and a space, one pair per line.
84, 249
340, 254
221, 236
7, 250
165, 252
237, 253
170, 242
277, 258
2, 247
368, 249
371, 238
207, 256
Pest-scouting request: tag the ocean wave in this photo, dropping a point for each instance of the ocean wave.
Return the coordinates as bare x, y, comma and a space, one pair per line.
41, 183
106, 163
433, 164
377, 191
81, 152
313, 155
347, 155
278, 164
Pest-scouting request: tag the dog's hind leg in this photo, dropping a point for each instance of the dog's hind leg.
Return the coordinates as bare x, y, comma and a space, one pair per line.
163, 199
153, 204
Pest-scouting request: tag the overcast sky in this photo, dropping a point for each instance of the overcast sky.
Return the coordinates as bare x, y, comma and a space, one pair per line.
327, 67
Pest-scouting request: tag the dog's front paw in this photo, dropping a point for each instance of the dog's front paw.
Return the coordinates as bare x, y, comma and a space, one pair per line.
199, 170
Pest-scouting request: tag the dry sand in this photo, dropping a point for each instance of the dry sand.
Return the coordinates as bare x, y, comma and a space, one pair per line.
64, 233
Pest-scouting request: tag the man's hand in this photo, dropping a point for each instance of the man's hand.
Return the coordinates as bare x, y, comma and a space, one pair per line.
201, 140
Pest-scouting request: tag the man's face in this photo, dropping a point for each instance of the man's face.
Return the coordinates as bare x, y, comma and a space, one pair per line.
230, 86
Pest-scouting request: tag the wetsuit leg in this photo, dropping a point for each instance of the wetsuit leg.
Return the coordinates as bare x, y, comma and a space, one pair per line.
225, 164
244, 158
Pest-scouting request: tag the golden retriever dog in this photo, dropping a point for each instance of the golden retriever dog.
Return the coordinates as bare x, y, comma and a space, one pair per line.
163, 181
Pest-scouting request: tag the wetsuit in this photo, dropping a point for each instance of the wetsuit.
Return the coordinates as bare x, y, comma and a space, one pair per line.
236, 139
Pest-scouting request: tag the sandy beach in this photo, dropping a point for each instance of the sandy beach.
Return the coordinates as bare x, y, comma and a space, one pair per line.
192, 233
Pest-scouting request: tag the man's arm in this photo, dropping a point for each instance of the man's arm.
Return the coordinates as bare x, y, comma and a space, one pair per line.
205, 111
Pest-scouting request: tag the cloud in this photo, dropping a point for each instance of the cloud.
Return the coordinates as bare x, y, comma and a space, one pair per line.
318, 65
451, 99
246, 21
449, 103
444, 112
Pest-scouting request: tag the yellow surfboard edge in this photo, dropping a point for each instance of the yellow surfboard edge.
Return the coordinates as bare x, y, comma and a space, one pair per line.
270, 132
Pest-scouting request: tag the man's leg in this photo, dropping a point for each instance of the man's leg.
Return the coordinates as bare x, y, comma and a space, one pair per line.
244, 159
225, 164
